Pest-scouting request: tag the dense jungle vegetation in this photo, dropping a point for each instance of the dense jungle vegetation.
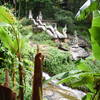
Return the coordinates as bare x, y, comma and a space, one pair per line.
26, 50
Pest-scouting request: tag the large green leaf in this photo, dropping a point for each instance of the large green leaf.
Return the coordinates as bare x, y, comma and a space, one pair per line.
6, 19
96, 19
88, 96
58, 76
83, 66
95, 48
91, 86
63, 75
6, 15
95, 34
19, 44
6, 39
70, 77
79, 76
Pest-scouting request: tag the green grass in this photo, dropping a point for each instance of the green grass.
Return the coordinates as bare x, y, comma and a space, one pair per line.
57, 61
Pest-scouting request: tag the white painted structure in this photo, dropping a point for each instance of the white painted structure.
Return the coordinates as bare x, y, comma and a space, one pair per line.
52, 31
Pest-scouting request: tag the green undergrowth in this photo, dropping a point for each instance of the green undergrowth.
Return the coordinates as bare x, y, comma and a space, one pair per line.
43, 38
57, 61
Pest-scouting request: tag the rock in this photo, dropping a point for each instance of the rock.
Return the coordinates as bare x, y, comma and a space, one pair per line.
82, 42
78, 52
60, 46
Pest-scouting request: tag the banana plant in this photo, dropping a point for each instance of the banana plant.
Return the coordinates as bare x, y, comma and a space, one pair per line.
92, 6
11, 38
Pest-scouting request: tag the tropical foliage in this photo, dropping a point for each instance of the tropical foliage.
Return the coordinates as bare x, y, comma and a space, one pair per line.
85, 75
12, 40
18, 45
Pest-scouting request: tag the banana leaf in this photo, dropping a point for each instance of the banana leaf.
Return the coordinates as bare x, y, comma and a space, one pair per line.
95, 34
6, 16
7, 39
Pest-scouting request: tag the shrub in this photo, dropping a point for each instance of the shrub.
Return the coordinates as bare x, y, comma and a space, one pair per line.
24, 21
43, 38
65, 17
57, 61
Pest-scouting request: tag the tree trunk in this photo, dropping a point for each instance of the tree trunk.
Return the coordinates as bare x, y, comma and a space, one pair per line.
13, 78
6, 84
21, 90
37, 81
6, 93
21, 72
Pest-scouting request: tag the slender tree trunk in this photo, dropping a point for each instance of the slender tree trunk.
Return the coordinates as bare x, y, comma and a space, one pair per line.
13, 77
37, 81
21, 90
6, 78
5, 92
14, 80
